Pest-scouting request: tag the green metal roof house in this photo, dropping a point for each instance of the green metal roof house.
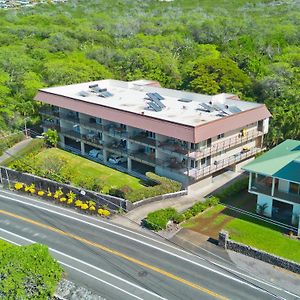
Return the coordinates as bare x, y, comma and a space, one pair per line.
275, 179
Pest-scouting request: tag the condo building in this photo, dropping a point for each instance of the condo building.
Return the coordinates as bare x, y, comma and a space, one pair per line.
138, 127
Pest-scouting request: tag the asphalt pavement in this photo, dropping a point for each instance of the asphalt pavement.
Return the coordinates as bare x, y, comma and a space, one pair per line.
119, 263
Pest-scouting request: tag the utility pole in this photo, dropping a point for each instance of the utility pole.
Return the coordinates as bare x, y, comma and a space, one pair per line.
25, 126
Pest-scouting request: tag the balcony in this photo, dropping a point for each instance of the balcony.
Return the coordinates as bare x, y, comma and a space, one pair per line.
51, 125
116, 147
173, 146
91, 125
225, 144
267, 190
50, 112
71, 134
69, 117
114, 131
92, 139
221, 164
143, 157
143, 139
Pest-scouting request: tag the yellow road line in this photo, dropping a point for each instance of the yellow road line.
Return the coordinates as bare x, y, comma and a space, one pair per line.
117, 253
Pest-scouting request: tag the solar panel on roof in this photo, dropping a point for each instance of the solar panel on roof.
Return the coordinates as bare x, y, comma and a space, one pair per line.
159, 103
219, 106
158, 96
105, 94
154, 106
83, 94
234, 109
206, 107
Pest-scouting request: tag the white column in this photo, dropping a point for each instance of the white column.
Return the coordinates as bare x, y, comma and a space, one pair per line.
129, 165
273, 186
250, 181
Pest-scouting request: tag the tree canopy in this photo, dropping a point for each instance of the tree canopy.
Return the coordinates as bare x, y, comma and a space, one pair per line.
248, 48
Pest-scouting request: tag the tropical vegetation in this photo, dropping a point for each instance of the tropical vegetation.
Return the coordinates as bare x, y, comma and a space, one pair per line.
27, 272
202, 46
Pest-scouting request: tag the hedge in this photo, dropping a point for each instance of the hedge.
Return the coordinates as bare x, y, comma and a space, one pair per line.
157, 220
164, 186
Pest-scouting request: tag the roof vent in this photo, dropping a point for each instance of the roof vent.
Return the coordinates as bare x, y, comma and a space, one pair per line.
185, 100
83, 94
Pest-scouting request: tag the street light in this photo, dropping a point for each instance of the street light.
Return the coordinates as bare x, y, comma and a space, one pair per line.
25, 126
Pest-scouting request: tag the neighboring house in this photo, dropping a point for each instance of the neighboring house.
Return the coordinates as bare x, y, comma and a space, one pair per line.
181, 135
275, 179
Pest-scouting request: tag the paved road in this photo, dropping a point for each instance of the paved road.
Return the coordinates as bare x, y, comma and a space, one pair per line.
118, 263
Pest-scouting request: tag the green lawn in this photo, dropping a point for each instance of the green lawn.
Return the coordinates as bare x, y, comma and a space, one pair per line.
246, 230
265, 237
81, 167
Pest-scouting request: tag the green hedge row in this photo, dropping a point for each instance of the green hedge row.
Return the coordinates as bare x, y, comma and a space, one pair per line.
157, 220
11, 140
163, 186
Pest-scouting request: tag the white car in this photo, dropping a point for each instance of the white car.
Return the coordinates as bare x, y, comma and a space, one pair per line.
115, 159
96, 153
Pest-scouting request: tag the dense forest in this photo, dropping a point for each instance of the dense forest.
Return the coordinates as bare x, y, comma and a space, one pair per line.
251, 48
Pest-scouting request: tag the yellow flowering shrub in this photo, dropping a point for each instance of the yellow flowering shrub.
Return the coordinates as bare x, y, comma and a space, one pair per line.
106, 213
19, 185
69, 201
30, 188
71, 196
49, 194
100, 211
84, 206
63, 199
58, 193
78, 203
41, 193
92, 208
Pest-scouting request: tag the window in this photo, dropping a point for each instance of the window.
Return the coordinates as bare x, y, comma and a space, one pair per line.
294, 188
220, 136
151, 134
194, 163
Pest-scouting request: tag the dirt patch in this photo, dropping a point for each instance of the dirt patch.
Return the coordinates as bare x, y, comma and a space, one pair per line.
212, 225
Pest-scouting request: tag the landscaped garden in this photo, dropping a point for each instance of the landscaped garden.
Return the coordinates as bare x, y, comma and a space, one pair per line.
27, 272
64, 167
209, 217
247, 230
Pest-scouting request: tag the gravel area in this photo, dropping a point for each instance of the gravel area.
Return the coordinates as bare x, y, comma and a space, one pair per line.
70, 291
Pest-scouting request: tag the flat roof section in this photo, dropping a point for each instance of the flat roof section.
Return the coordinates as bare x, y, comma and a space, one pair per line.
194, 110
282, 162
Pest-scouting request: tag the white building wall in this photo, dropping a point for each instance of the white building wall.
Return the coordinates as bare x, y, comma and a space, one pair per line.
265, 200
283, 185
296, 213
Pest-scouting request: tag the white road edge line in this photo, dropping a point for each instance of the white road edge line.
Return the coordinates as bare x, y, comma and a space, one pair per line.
162, 250
98, 220
87, 264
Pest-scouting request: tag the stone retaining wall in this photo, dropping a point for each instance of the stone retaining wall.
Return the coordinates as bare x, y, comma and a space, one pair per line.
9, 177
226, 243
114, 203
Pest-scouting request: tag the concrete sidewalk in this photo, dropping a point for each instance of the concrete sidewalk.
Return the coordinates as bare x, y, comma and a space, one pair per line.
15, 149
196, 193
